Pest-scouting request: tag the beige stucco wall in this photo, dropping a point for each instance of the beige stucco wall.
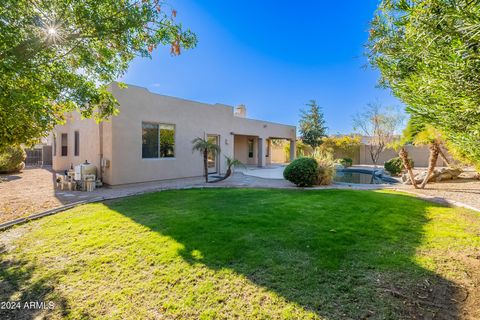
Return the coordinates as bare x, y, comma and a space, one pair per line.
278, 154
122, 137
89, 142
241, 149
419, 155
191, 119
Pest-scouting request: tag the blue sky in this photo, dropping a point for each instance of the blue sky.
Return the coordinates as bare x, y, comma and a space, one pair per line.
272, 56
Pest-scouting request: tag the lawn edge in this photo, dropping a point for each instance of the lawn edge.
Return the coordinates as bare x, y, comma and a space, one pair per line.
7, 225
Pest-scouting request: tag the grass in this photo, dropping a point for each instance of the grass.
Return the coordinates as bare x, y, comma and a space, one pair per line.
243, 253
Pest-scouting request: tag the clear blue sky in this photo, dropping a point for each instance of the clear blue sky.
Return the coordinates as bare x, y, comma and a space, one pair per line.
272, 56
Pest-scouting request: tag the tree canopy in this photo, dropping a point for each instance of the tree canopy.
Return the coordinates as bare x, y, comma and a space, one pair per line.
428, 53
312, 125
59, 55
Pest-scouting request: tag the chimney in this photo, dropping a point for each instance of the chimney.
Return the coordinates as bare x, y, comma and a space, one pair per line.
241, 111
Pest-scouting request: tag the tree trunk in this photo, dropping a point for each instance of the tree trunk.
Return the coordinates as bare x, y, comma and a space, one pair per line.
205, 164
403, 154
443, 157
432, 162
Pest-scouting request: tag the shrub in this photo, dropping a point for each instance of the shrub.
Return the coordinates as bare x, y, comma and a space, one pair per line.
302, 172
326, 167
12, 159
395, 165
346, 162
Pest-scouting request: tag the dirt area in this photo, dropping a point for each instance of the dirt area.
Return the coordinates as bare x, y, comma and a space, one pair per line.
25, 193
465, 190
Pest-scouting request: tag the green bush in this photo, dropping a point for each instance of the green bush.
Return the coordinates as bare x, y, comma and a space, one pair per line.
395, 165
346, 162
12, 159
302, 172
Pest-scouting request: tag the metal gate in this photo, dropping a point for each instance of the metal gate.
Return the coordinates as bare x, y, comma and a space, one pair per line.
34, 157
39, 156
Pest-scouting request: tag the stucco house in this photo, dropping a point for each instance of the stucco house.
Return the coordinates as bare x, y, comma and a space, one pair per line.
150, 139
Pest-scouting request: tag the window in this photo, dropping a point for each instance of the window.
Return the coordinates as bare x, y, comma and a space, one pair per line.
250, 148
64, 144
158, 140
268, 148
54, 144
77, 144
150, 140
167, 140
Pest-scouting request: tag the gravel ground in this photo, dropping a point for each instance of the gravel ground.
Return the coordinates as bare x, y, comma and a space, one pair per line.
465, 190
25, 193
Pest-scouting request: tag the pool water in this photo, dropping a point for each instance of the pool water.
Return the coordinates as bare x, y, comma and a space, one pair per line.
359, 177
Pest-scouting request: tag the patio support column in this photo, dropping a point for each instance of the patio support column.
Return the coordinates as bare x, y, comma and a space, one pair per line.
261, 152
292, 150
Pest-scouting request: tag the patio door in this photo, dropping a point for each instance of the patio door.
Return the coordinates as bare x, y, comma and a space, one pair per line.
212, 160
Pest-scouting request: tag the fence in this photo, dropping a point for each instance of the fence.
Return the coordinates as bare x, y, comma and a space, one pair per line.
39, 156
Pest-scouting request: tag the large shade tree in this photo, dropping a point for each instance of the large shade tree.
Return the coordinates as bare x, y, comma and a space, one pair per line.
59, 55
428, 53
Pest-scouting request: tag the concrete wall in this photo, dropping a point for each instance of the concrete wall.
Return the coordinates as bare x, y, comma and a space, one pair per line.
361, 155
419, 155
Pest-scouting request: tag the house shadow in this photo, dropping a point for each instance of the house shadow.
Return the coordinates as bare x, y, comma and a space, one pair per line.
340, 255
23, 297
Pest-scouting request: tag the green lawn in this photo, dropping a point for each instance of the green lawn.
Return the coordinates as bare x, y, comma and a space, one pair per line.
245, 253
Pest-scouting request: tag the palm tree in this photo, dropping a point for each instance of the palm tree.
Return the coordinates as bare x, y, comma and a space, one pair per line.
231, 162
431, 137
421, 133
205, 146
399, 145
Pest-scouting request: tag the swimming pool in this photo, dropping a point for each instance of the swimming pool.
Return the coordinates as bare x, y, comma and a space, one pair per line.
360, 176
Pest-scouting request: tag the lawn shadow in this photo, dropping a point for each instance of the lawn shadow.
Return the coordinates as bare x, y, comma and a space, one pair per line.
32, 297
341, 254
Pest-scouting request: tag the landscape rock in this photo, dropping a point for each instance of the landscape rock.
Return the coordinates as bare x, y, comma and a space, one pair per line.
438, 175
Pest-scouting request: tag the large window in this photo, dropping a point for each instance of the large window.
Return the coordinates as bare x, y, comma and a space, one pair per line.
64, 144
158, 140
77, 144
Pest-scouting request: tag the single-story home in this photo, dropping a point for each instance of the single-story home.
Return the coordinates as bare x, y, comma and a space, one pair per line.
151, 138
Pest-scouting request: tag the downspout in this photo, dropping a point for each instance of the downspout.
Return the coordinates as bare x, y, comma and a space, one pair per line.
100, 137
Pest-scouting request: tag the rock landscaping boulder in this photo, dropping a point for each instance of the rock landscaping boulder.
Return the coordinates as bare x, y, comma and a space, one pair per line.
437, 175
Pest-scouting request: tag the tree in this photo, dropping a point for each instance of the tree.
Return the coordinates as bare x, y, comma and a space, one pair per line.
428, 135
58, 56
231, 163
399, 145
312, 125
204, 146
379, 124
428, 54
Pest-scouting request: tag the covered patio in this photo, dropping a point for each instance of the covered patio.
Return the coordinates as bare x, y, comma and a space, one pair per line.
256, 150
